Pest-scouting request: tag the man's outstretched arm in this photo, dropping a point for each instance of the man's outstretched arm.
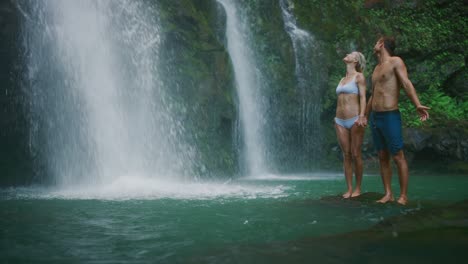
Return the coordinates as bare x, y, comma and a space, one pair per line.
402, 74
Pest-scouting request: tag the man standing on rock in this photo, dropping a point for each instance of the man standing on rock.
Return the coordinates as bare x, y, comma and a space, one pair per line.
389, 76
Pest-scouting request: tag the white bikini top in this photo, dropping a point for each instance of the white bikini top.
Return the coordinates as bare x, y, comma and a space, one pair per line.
349, 88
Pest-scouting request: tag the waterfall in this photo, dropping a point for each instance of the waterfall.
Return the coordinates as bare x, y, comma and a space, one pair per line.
308, 72
97, 107
247, 83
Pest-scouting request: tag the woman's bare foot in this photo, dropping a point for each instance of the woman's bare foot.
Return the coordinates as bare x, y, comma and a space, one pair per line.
403, 200
356, 193
347, 195
386, 198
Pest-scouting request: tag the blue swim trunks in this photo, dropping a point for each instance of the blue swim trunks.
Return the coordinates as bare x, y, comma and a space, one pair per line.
386, 131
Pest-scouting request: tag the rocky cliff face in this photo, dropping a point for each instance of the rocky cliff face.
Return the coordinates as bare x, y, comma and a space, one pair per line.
193, 48
448, 145
15, 159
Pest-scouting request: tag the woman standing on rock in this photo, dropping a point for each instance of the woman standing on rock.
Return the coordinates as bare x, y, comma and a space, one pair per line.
350, 120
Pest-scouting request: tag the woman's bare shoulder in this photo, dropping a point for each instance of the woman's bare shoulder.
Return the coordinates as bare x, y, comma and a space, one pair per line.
360, 77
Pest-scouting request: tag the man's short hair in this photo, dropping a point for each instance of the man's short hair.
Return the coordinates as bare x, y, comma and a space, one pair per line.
389, 44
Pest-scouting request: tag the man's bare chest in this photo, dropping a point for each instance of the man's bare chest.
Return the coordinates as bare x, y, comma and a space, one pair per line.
383, 74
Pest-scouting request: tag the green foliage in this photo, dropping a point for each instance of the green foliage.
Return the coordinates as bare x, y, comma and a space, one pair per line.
443, 108
431, 38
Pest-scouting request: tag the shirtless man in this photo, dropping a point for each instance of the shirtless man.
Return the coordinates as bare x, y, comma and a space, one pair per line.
388, 77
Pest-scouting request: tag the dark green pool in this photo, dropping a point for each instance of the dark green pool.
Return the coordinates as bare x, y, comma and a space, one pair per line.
249, 220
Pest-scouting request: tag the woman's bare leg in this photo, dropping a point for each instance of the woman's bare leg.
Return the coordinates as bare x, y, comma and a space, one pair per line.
357, 136
343, 136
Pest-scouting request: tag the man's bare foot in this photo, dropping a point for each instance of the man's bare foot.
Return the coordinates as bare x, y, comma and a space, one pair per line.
386, 198
403, 200
347, 195
356, 193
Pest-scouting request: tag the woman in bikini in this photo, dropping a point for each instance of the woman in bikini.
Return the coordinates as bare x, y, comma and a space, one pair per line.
350, 120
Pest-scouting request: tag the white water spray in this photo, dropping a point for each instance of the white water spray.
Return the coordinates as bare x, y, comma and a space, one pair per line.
97, 107
308, 72
247, 83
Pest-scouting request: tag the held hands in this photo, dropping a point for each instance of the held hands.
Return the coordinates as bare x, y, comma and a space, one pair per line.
423, 113
361, 121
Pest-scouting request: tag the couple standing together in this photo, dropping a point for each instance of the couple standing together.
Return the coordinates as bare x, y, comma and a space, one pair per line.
352, 114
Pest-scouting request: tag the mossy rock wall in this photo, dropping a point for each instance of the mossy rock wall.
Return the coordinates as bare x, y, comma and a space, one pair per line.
15, 159
199, 72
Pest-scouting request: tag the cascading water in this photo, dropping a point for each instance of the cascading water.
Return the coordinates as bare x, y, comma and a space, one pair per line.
247, 83
98, 110
308, 72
